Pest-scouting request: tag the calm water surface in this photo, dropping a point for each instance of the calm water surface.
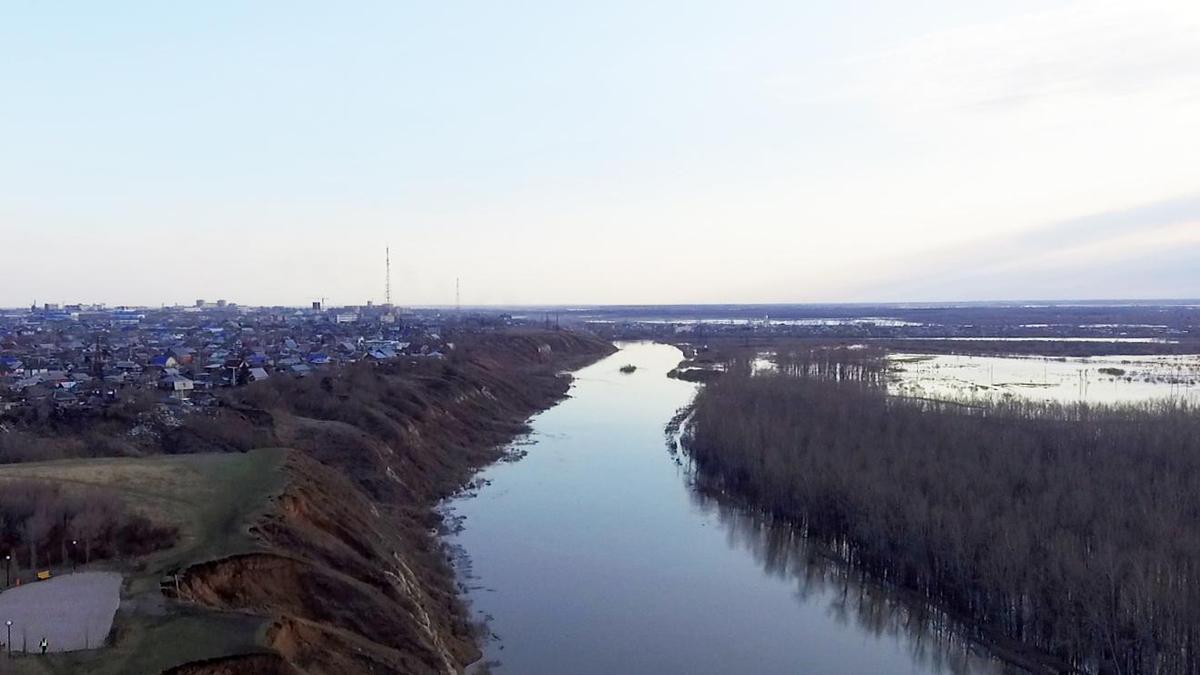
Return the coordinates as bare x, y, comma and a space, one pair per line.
593, 554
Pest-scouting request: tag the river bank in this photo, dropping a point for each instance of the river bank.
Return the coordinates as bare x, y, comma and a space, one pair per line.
998, 513
304, 510
348, 573
597, 553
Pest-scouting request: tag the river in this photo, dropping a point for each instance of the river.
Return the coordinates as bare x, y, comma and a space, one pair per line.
594, 553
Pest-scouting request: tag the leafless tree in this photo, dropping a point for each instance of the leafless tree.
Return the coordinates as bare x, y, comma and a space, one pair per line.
1073, 529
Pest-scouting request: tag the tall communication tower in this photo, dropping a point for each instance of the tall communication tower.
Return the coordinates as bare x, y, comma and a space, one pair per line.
387, 288
457, 297
98, 359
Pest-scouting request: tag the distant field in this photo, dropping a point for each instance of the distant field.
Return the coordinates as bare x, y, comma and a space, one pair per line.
206, 496
212, 499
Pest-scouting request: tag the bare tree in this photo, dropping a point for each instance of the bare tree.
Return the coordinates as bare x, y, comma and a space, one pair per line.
1074, 529
37, 527
91, 524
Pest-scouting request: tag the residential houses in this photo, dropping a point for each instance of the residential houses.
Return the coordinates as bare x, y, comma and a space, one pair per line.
81, 357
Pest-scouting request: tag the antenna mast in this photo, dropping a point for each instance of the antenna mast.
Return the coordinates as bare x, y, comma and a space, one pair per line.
457, 297
387, 289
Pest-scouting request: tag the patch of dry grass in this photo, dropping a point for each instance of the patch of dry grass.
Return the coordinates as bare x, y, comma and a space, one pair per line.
206, 496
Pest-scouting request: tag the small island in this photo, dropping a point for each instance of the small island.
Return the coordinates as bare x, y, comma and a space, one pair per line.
628, 368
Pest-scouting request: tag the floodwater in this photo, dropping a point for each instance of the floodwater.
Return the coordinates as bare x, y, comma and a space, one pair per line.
1051, 338
594, 553
1099, 379
882, 322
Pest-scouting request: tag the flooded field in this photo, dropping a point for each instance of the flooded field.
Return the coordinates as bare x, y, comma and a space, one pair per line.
888, 322
1052, 338
1100, 379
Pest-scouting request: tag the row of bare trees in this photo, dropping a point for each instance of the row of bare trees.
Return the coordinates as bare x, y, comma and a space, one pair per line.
43, 524
1074, 530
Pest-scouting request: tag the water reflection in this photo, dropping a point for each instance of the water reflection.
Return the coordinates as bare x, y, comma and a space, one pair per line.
933, 639
595, 554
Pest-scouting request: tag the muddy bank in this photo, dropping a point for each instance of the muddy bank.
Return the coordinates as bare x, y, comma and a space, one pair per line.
353, 577
249, 664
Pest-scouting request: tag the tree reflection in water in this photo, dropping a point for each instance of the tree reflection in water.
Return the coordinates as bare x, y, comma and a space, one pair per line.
933, 638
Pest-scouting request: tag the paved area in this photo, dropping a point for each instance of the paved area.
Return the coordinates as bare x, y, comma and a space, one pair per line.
72, 612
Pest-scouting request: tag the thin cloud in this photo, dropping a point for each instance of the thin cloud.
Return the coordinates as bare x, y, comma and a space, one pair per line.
1135, 220
1084, 50
1092, 254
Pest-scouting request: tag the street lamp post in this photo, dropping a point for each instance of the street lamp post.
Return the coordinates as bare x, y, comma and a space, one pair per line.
9, 643
74, 558
8, 570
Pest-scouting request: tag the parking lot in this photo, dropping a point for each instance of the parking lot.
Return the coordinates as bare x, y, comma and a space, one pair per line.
72, 612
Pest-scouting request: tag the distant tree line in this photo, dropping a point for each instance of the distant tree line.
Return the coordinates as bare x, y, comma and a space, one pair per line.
1072, 529
42, 524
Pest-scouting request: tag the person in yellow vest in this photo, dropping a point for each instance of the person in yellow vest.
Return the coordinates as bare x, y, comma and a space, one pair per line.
45, 645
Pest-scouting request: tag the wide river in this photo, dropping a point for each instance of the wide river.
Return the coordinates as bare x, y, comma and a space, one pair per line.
594, 554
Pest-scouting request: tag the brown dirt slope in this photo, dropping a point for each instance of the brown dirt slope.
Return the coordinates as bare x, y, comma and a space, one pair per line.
249, 664
353, 577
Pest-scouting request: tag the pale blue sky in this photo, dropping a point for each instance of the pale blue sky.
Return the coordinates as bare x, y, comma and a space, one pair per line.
679, 151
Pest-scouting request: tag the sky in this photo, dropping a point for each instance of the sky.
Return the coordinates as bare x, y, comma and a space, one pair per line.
673, 151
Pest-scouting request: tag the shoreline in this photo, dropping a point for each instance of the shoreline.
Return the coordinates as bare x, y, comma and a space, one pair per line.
355, 578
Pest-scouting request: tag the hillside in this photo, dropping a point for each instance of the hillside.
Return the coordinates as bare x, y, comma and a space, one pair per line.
301, 512
352, 577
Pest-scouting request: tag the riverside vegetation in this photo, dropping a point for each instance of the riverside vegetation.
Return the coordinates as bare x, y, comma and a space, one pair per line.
1069, 535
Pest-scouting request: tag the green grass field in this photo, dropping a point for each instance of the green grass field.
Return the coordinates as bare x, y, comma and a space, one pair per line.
213, 499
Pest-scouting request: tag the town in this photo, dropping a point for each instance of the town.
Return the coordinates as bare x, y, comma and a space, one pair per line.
55, 359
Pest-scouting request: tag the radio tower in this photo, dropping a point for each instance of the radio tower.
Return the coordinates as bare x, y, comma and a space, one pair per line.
387, 288
457, 297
